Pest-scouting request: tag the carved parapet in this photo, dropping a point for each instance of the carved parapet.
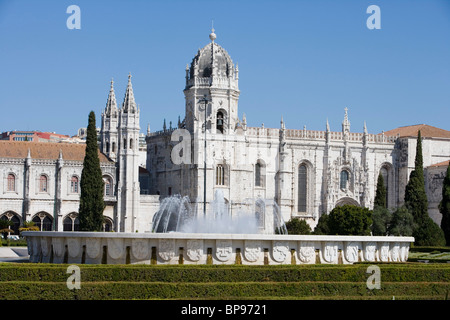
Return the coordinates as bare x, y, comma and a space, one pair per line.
196, 248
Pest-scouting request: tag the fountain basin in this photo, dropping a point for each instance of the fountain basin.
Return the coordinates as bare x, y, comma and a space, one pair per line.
211, 248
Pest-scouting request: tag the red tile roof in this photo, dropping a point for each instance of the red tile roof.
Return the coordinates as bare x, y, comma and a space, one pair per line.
441, 164
425, 131
45, 150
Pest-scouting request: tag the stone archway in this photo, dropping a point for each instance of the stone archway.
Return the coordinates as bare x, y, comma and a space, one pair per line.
347, 200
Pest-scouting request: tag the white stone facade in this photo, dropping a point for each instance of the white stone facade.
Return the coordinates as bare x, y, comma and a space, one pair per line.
307, 173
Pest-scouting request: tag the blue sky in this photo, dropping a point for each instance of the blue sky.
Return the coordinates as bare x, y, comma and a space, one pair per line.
305, 60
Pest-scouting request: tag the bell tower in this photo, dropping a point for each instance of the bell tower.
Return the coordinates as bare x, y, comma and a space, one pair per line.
212, 77
128, 189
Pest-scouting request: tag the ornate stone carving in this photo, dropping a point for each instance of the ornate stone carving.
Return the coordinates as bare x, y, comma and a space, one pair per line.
58, 246
280, 250
140, 248
36, 245
166, 249
73, 245
404, 251
330, 252
92, 247
194, 249
395, 252
384, 252
224, 250
44, 246
306, 252
369, 251
252, 250
352, 251
115, 248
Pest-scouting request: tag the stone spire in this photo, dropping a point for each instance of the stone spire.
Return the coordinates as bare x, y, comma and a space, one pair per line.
129, 105
111, 104
346, 123
327, 133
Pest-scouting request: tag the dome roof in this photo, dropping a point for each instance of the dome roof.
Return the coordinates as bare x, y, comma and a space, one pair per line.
212, 55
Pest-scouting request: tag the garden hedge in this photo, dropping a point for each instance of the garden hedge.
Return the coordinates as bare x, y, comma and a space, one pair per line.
48, 281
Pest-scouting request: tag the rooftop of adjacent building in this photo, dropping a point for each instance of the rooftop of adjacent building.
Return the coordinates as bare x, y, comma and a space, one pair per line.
45, 150
441, 164
426, 131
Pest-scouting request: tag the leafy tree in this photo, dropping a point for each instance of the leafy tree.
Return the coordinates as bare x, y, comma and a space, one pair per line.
91, 184
322, 225
29, 226
444, 207
350, 220
298, 226
5, 229
381, 218
425, 231
380, 195
402, 223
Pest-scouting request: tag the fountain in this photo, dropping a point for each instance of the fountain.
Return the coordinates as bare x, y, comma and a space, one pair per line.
221, 236
178, 214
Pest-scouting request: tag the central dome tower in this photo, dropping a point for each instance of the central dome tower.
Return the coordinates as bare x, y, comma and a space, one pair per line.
212, 75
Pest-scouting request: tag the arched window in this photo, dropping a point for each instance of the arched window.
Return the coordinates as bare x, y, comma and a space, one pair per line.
107, 147
14, 218
124, 143
113, 147
43, 221
71, 223
43, 183
220, 121
302, 188
385, 174
74, 184
344, 179
131, 143
107, 225
260, 174
220, 175
11, 182
108, 186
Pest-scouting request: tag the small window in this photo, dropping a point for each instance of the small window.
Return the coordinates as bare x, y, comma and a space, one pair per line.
11, 182
302, 188
220, 175
74, 185
43, 183
385, 174
108, 187
344, 179
220, 120
258, 175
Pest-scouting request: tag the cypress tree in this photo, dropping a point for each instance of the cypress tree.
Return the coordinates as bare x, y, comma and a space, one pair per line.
380, 194
426, 231
90, 212
444, 207
415, 195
